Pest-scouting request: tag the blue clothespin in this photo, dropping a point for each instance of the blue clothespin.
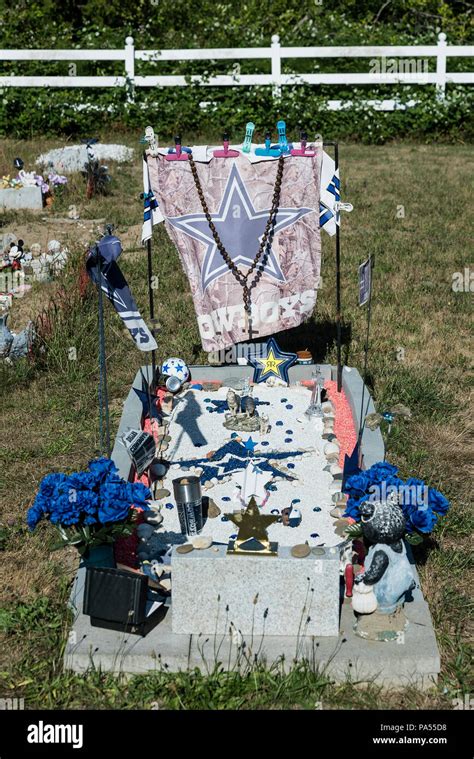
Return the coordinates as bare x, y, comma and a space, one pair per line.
268, 151
247, 144
283, 146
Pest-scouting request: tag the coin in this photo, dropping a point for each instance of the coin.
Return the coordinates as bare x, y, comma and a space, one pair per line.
300, 551
318, 551
186, 548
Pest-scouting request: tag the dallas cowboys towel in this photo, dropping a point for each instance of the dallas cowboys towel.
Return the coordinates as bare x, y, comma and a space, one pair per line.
239, 197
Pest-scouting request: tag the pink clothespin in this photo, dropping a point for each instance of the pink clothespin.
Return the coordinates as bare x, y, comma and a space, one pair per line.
226, 153
302, 150
179, 155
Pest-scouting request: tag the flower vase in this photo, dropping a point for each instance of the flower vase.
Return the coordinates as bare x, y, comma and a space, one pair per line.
99, 556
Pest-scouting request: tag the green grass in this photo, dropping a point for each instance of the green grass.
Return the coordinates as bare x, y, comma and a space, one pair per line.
49, 418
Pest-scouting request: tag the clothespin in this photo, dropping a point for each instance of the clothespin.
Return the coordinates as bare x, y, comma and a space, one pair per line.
247, 144
283, 147
302, 150
149, 139
179, 154
267, 151
225, 153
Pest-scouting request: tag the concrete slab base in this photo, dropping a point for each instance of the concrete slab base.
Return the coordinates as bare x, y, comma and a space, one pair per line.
24, 197
412, 660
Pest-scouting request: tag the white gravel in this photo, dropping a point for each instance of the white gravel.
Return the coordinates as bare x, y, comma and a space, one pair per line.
312, 486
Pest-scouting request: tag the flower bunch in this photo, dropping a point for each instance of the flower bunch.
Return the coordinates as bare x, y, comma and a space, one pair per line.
88, 507
421, 505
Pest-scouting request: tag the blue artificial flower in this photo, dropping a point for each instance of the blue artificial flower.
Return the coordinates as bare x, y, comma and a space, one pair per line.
422, 519
104, 469
381, 471
357, 484
438, 503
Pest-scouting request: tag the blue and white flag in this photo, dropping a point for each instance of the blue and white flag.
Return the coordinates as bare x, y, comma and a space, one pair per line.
115, 286
330, 193
151, 212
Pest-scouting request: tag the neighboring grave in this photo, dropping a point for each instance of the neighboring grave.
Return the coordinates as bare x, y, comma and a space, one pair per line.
73, 157
22, 198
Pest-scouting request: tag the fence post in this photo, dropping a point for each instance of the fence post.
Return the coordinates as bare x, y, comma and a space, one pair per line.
130, 69
441, 67
276, 66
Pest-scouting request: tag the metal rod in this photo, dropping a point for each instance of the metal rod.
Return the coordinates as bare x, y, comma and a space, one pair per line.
152, 306
338, 286
103, 392
366, 353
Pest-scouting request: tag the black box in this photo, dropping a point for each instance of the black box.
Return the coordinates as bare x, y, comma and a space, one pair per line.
117, 600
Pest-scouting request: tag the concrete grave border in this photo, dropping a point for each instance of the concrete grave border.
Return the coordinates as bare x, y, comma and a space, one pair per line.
414, 660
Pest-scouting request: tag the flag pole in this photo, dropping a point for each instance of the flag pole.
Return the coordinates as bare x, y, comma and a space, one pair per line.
151, 298
366, 354
103, 392
338, 286
335, 145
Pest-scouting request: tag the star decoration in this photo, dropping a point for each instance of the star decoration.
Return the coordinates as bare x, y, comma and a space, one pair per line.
252, 524
240, 227
250, 445
276, 363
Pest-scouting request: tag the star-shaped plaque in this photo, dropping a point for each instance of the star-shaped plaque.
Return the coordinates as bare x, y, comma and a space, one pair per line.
252, 537
240, 227
275, 364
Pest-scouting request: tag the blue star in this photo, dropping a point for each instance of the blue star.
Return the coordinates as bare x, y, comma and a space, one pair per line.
240, 228
276, 363
165, 369
250, 445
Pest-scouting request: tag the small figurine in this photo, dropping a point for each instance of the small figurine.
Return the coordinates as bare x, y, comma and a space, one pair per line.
233, 401
264, 424
380, 590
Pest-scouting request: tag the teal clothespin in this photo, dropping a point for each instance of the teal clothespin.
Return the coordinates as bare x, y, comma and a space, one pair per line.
268, 151
247, 144
282, 140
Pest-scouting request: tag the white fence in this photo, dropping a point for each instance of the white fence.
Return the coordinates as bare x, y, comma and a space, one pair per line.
403, 67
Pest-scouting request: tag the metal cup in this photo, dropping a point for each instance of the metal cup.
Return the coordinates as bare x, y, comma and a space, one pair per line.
188, 497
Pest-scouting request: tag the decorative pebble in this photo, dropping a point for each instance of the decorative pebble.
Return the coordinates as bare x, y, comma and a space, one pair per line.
145, 531
296, 500
279, 423
274, 511
291, 466
201, 542
161, 493
234, 536
337, 512
186, 548
265, 442
288, 440
213, 509
207, 400
224, 519
317, 508
318, 551
289, 432
283, 400
226, 498
289, 406
170, 506
300, 551
234, 434
315, 535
